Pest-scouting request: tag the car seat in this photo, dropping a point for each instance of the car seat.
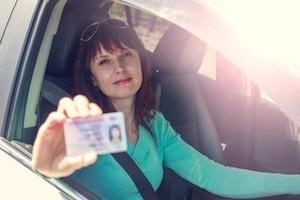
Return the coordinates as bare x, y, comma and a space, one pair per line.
76, 16
58, 80
176, 61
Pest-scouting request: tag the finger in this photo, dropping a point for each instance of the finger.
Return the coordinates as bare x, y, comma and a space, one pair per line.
77, 162
53, 119
66, 106
46, 138
95, 110
70, 163
82, 105
89, 158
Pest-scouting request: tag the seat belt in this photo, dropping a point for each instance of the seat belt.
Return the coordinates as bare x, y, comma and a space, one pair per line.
53, 93
140, 180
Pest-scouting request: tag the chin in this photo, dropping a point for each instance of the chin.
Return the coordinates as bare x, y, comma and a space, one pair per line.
123, 95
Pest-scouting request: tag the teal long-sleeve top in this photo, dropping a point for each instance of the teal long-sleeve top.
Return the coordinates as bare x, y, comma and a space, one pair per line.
107, 178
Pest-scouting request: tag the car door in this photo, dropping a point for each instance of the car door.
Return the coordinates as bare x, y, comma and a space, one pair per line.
25, 22
17, 181
276, 138
6, 8
254, 133
16, 18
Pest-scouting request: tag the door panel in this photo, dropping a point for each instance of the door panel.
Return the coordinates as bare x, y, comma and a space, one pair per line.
19, 182
276, 143
230, 98
6, 7
12, 43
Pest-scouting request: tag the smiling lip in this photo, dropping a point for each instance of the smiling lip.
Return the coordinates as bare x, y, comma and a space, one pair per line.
122, 81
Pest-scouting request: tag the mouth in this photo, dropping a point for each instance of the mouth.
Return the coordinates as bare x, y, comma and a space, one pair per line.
123, 81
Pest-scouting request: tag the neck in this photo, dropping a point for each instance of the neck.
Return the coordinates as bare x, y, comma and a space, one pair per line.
127, 107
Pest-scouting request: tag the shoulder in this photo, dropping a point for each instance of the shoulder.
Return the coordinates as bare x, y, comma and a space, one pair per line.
158, 118
158, 123
163, 130
157, 114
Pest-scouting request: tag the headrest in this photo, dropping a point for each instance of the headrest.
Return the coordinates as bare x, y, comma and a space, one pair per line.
178, 51
65, 43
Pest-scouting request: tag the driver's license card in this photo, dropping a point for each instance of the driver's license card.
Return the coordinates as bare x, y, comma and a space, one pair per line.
103, 134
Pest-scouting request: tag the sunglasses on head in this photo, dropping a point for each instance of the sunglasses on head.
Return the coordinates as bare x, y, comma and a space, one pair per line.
89, 32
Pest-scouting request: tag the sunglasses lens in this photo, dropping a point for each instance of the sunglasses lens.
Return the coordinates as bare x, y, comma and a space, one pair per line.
92, 29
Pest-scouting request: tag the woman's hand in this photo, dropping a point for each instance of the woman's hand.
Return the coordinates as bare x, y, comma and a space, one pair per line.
49, 150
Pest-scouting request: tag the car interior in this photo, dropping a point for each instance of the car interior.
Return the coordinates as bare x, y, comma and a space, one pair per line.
170, 76
217, 116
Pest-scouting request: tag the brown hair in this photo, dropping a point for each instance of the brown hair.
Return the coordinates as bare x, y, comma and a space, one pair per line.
112, 34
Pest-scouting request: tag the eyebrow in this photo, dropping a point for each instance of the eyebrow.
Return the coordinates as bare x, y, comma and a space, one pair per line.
102, 56
105, 56
99, 57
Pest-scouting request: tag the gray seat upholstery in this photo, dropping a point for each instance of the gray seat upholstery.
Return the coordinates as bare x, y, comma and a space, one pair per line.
76, 16
176, 61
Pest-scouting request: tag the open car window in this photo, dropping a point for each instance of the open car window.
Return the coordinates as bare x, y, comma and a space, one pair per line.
149, 27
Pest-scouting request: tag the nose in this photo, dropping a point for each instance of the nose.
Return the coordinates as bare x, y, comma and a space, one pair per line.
119, 65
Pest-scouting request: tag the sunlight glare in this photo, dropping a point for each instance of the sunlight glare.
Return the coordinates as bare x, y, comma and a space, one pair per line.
268, 27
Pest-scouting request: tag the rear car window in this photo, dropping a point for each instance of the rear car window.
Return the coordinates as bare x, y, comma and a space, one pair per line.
148, 27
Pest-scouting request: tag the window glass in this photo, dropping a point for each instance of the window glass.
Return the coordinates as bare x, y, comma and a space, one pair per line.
294, 130
34, 112
148, 27
265, 96
6, 7
208, 64
151, 28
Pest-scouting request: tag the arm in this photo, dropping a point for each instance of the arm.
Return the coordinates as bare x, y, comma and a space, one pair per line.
49, 151
216, 178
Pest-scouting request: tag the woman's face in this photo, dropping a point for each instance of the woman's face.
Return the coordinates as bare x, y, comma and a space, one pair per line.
118, 75
115, 133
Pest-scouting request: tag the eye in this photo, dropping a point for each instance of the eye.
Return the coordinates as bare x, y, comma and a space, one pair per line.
104, 61
127, 54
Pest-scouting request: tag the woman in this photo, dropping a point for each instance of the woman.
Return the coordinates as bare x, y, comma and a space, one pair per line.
115, 135
113, 73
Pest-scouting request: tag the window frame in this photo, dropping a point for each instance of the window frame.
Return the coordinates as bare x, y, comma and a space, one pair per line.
28, 47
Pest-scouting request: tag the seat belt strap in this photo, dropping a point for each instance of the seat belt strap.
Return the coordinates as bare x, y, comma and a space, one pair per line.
140, 180
54, 93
